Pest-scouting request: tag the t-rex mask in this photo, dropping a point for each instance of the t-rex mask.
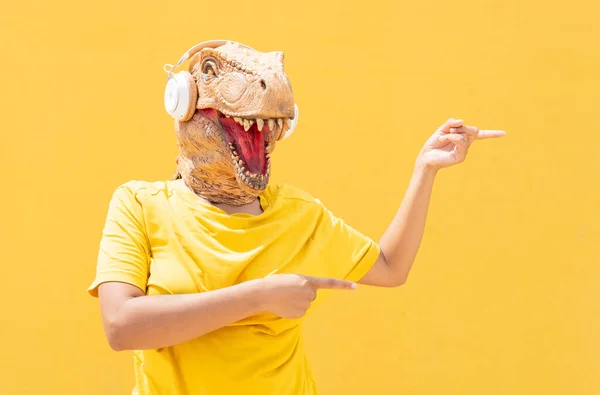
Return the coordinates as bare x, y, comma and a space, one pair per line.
244, 105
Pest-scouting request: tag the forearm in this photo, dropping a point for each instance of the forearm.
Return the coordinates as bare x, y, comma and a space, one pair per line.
400, 242
149, 322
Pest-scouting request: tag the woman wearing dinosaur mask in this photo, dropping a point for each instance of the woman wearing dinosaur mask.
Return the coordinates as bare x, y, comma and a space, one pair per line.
208, 276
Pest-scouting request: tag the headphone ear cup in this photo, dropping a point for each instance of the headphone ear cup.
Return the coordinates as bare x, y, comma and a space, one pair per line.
181, 96
192, 96
289, 132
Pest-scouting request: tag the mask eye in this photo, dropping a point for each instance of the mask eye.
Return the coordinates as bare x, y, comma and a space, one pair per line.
209, 69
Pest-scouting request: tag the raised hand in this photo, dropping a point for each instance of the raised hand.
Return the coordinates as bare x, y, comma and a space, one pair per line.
290, 295
450, 143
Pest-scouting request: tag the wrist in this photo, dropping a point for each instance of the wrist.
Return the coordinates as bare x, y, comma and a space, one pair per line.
423, 169
257, 293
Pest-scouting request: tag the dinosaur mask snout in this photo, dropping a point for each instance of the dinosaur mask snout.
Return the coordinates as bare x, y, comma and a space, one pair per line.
249, 144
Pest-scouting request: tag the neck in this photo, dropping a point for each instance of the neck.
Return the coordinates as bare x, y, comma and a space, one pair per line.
253, 207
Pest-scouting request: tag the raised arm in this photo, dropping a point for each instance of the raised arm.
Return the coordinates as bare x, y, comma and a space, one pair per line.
400, 242
134, 321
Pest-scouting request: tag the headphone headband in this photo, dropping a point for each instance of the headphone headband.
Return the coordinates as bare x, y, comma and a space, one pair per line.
194, 50
199, 47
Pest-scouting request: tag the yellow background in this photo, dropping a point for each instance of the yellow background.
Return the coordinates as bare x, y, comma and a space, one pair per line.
505, 295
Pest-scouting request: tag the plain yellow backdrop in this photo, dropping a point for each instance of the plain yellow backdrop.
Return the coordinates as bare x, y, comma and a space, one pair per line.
504, 297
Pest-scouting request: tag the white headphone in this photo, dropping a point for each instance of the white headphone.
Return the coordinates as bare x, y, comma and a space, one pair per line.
181, 94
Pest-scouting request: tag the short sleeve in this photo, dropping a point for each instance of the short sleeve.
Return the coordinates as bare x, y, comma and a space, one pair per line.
348, 253
124, 254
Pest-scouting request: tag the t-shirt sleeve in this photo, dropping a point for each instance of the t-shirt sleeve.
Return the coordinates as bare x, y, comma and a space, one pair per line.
124, 254
348, 253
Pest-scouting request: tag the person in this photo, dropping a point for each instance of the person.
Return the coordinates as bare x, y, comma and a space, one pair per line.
208, 277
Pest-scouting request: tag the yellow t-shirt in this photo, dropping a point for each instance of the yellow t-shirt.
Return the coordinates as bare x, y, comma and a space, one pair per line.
160, 237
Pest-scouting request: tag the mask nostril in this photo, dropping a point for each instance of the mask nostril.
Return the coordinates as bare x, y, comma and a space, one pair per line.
263, 84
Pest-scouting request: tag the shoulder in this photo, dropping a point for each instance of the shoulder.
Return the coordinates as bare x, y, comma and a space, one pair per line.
138, 190
292, 195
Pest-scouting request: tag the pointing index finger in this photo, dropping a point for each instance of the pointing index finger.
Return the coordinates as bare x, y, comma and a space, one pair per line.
330, 283
490, 133
469, 130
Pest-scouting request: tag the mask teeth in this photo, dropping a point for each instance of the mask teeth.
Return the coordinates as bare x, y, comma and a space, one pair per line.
259, 124
273, 123
253, 180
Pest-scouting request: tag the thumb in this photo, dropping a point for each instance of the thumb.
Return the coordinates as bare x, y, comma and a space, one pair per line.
451, 123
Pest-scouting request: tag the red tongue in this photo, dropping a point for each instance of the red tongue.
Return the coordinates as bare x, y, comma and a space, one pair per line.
251, 149
249, 145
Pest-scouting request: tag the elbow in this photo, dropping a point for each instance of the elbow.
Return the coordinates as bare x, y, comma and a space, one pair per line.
399, 281
397, 278
116, 345
397, 271
115, 335
391, 282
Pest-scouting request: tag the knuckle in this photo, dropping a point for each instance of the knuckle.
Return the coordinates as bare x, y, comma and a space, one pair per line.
303, 281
